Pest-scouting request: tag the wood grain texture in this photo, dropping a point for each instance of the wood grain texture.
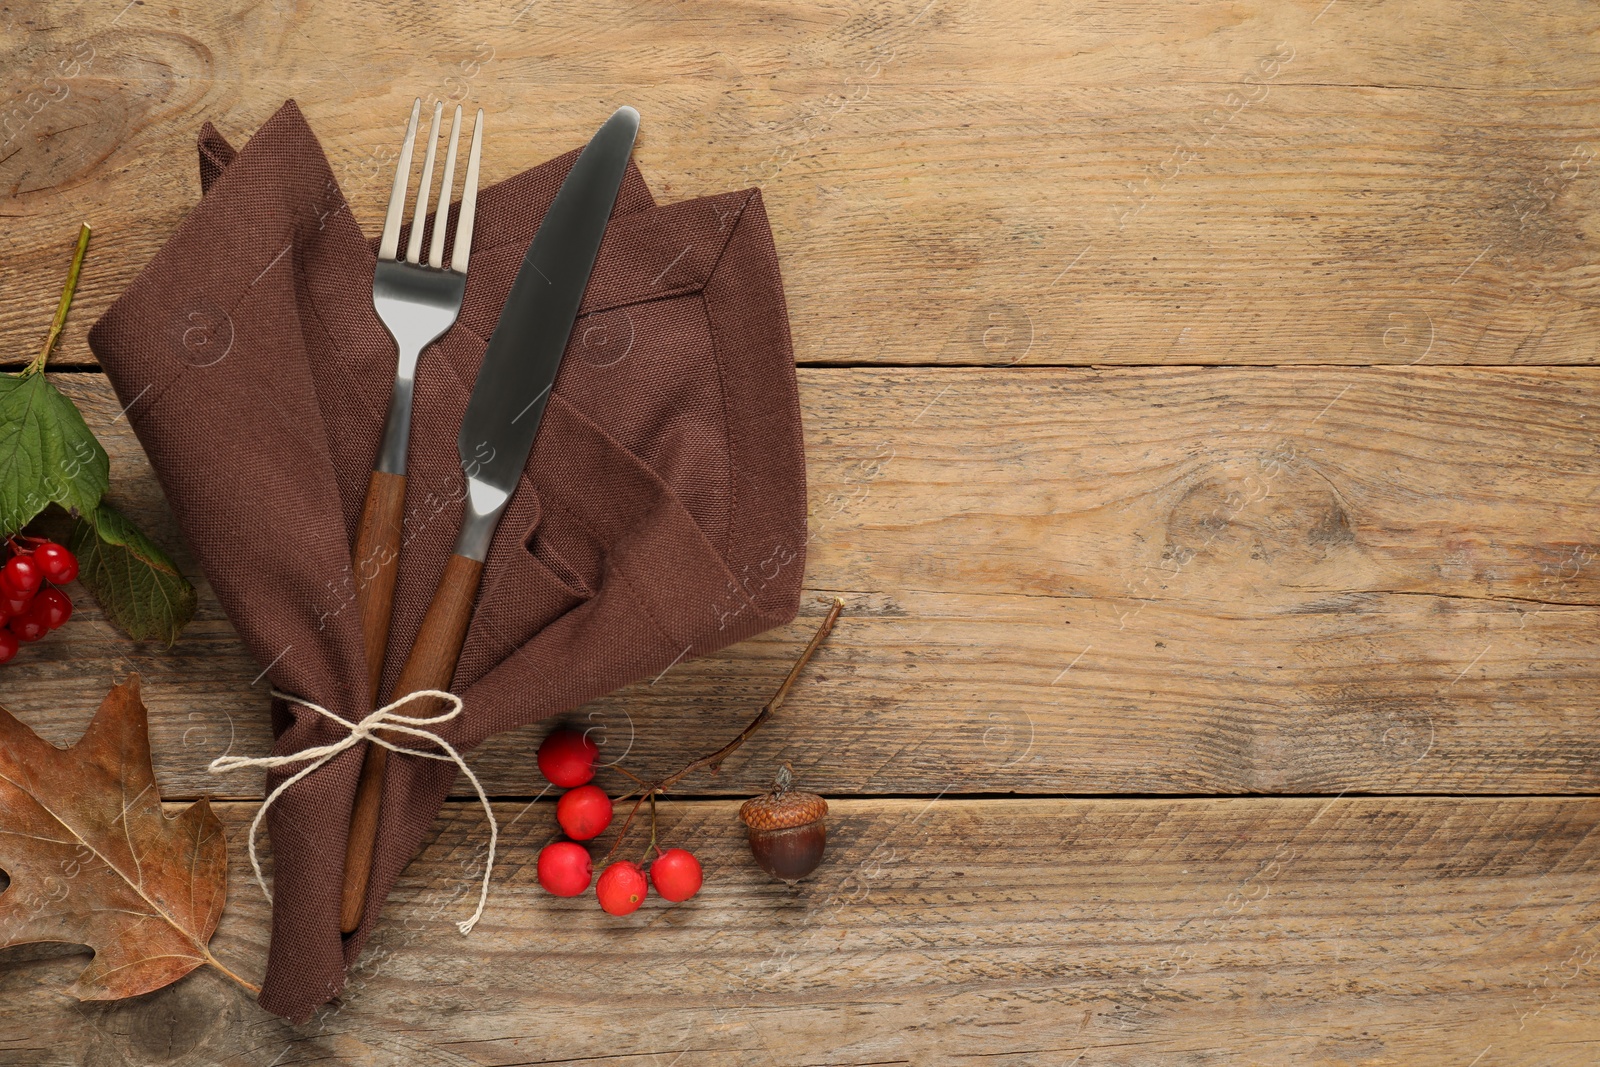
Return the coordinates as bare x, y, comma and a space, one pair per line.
375, 559
362, 838
376, 564
1073, 581
1265, 182
431, 664
1359, 930
1087, 547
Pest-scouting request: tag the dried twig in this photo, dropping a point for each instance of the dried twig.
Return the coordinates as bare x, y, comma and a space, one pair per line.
713, 762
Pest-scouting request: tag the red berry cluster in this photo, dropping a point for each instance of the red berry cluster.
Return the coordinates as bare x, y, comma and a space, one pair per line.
30, 605
566, 759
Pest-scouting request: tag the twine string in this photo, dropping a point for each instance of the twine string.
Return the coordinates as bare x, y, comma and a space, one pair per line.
386, 718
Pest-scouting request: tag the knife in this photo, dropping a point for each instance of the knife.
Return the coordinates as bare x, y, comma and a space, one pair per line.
497, 434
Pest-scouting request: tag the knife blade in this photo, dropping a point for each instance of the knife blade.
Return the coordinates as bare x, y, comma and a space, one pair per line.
524, 352
498, 430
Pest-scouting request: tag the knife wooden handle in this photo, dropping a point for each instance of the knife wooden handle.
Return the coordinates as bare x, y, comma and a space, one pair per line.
432, 665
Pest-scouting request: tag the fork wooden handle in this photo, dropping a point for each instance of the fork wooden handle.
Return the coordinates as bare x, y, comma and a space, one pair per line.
377, 564
431, 665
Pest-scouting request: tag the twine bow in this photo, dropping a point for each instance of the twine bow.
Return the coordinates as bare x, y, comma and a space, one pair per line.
384, 718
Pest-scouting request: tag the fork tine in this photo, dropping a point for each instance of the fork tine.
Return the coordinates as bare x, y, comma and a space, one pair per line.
390, 243
469, 200
436, 247
414, 246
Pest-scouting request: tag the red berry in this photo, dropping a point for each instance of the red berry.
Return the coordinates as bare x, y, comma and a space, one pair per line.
8, 645
57, 562
676, 874
21, 575
621, 888
584, 812
565, 868
566, 758
15, 603
27, 626
51, 607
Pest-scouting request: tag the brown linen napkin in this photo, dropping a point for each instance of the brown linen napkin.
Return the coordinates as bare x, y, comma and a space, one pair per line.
660, 516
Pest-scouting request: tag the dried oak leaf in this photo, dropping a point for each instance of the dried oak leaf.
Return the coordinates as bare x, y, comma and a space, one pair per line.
94, 861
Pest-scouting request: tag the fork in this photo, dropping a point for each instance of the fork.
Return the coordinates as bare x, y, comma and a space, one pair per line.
417, 303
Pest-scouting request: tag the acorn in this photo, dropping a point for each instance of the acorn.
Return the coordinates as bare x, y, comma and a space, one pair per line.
785, 828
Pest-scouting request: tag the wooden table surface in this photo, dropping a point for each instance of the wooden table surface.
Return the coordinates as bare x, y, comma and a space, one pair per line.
1198, 404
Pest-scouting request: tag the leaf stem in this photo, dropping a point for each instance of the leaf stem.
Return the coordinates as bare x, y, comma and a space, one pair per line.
713, 762
251, 986
60, 321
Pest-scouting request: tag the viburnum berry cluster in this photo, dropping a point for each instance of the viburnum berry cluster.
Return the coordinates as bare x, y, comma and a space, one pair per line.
30, 603
567, 760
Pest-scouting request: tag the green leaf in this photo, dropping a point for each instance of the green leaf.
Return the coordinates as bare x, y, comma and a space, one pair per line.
136, 584
47, 454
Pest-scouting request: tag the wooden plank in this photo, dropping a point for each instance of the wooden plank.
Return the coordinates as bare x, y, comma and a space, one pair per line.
1069, 581
1020, 932
951, 182
1059, 581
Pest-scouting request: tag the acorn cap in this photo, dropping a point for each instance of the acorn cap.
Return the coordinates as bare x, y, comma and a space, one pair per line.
780, 811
